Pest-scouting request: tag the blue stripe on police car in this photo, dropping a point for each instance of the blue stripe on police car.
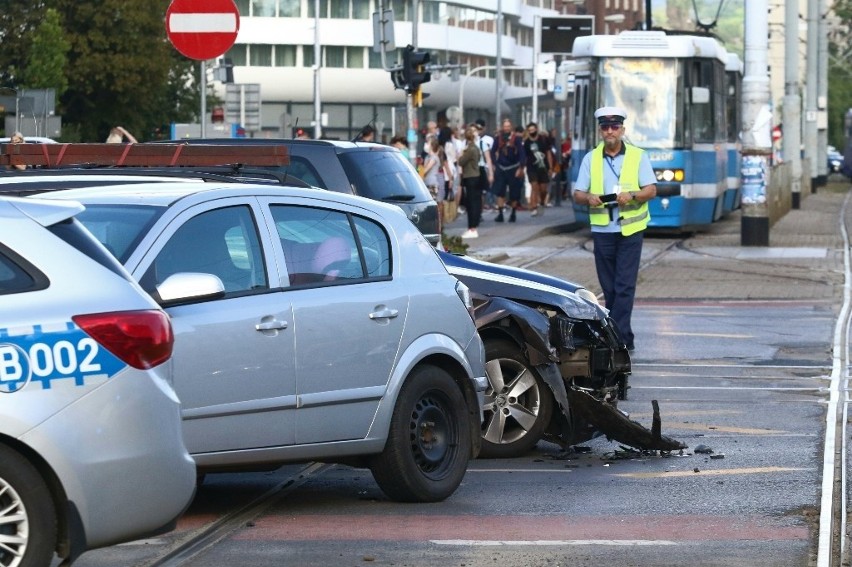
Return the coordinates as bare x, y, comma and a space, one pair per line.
50, 359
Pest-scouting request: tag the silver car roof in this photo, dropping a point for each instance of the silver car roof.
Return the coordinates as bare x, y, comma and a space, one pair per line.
166, 193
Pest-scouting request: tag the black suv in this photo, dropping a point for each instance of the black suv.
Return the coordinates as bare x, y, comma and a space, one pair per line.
370, 170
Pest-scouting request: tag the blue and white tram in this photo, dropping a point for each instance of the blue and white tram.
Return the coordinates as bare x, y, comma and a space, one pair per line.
674, 88
733, 108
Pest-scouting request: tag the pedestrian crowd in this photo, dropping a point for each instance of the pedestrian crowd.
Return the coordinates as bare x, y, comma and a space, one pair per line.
470, 171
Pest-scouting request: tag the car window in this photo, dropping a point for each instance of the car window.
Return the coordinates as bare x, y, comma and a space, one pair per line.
374, 246
74, 233
223, 242
119, 227
302, 168
383, 175
321, 246
17, 275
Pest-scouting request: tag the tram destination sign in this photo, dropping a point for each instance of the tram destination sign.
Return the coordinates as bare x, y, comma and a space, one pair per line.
559, 32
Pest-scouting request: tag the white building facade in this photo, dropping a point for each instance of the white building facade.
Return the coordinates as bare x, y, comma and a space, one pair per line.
275, 49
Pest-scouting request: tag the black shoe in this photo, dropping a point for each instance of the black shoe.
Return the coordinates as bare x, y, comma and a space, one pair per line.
631, 347
512, 216
499, 216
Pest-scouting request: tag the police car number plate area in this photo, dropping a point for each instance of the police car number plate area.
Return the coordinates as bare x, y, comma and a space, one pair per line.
53, 356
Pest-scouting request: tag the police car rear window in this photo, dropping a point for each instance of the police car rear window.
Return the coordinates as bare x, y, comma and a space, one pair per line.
384, 176
17, 275
72, 232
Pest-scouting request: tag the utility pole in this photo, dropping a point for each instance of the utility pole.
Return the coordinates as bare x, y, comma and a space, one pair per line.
317, 61
822, 94
792, 115
757, 141
811, 92
498, 73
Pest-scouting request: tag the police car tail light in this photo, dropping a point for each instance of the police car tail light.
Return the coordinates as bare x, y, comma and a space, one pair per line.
142, 339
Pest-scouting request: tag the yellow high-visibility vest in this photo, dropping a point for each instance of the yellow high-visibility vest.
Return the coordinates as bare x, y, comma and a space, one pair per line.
634, 215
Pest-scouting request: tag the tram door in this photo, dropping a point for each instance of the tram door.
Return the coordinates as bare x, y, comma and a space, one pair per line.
582, 129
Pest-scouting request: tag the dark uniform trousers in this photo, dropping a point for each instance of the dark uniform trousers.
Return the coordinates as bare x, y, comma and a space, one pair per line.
617, 262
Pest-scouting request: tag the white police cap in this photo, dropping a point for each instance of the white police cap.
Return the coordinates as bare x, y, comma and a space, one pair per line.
610, 114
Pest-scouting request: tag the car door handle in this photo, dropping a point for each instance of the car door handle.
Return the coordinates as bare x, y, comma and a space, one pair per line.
384, 313
271, 325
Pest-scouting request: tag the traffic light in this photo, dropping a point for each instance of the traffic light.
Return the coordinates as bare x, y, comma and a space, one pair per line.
414, 71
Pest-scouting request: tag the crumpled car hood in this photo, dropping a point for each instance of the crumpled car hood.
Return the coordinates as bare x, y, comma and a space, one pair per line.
521, 285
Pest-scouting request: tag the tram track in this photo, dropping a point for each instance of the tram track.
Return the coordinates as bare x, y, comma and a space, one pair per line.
833, 543
188, 548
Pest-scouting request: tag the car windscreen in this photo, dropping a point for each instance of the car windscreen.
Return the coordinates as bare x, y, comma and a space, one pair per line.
119, 227
384, 176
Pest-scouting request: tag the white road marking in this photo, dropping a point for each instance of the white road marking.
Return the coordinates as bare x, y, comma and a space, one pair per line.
563, 542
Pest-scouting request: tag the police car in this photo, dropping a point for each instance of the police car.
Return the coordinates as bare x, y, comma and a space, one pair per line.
91, 452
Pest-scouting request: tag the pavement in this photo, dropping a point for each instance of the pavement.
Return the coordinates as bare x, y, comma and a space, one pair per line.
804, 259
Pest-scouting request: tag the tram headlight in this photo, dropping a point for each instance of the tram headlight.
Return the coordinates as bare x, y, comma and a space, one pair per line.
669, 174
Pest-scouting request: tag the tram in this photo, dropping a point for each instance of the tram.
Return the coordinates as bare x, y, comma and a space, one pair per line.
681, 93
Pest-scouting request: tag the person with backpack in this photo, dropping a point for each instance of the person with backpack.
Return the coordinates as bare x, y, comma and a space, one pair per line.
509, 161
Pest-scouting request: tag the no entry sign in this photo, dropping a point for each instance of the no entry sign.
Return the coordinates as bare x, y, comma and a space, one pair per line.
202, 29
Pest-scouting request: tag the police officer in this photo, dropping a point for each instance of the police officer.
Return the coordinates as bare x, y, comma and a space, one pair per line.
616, 181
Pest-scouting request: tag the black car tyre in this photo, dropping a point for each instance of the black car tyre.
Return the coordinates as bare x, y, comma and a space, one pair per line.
518, 404
429, 443
27, 514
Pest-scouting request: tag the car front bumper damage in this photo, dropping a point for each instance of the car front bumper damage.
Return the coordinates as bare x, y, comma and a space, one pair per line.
586, 367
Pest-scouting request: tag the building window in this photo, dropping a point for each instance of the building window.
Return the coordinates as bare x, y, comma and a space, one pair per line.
361, 9
323, 9
375, 59
307, 56
355, 57
335, 56
401, 11
339, 9
432, 13
285, 55
263, 8
237, 55
243, 7
260, 55
290, 8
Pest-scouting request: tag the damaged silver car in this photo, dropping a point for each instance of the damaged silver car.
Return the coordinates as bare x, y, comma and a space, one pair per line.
556, 364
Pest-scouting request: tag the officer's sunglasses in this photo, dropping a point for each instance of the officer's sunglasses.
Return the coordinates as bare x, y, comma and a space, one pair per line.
613, 127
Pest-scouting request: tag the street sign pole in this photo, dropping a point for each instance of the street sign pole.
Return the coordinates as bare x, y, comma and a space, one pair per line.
203, 86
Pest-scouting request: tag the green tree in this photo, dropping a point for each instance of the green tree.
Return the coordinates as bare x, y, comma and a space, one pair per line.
839, 73
18, 22
121, 69
45, 68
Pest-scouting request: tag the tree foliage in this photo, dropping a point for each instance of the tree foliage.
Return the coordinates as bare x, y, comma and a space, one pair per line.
120, 68
48, 56
839, 72
18, 22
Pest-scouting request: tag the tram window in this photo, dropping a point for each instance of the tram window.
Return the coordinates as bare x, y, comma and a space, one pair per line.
701, 107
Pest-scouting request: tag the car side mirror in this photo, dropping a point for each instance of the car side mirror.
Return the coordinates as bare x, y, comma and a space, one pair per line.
189, 285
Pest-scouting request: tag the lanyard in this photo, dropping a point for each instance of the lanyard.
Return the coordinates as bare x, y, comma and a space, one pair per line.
609, 161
